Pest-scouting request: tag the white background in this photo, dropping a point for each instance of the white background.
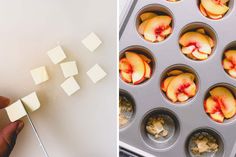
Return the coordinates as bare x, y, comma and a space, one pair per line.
85, 123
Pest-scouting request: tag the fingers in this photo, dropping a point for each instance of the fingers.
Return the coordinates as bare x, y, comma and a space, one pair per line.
8, 137
4, 102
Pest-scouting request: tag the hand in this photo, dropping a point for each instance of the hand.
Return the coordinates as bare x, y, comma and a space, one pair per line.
9, 133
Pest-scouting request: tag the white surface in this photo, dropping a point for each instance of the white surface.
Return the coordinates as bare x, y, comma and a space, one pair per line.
16, 111
82, 125
56, 54
70, 86
31, 102
96, 73
92, 42
39, 75
69, 68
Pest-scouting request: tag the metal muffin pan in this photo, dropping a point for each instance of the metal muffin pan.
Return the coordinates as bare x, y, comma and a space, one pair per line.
190, 116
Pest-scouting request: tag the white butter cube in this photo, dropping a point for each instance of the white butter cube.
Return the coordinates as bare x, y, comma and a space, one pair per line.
31, 102
91, 42
56, 54
16, 111
70, 86
96, 73
39, 75
69, 68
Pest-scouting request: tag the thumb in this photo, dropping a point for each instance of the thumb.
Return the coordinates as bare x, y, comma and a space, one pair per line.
8, 137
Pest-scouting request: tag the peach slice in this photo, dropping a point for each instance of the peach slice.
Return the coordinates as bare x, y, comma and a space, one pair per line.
214, 7
166, 32
191, 90
166, 83
178, 85
142, 27
127, 77
198, 40
217, 116
211, 106
232, 72
175, 72
225, 99
188, 49
148, 71
155, 27
214, 17
138, 67
182, 97
231, 55
124, 65
201, 30
227, 64
224, 1
145, 59
147, 15
199, 55
202, 10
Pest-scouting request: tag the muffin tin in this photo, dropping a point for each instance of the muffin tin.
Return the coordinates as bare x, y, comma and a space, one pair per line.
188, 117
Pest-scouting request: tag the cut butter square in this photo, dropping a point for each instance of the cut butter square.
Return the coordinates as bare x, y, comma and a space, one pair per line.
56, 54
16, 111
69, 69
31, 102
39, 75
91, 42
70, 86
96, 73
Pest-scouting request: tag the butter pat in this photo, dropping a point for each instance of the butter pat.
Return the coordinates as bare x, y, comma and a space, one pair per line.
16, 111
31, 102
39, 75
69, 69
70, 86
96, 73
91, 42
56, 54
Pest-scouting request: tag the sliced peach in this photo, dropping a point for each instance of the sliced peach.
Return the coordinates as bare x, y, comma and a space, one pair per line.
124, 65
214, 8
146, 59
148, 71
225, 99
147, 15
202, 10
224, 1
213, 16
232, 72
211, 106
198, 40
175, 72
231, 55
217, 116
188, 49
199, 55
166, 83
191, 56
227, 64
182, 97
138, 67
201, 30
142, 27
155, 27
166, 32
127, 77
191, 90
210, 40
178, 85
160, 38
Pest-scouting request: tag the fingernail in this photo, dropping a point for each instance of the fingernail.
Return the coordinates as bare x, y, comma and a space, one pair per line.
19, 127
